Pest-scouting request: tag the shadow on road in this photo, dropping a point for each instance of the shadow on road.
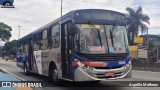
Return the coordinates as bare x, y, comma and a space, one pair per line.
46, 81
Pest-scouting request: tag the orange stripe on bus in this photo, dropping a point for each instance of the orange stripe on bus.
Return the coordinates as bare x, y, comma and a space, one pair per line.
92, 64
95, 64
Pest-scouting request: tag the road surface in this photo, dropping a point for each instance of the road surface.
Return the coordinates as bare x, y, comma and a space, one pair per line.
137, 76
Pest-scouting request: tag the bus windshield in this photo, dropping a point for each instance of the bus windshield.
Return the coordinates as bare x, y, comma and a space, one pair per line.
100, 39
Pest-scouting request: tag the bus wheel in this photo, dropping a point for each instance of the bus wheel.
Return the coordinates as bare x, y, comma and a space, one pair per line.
25, 70
54, 73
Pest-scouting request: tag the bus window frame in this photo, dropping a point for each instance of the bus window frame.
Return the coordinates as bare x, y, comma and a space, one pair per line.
25, 44
51, 44
43, 39
22, 46
37, 41
19, 47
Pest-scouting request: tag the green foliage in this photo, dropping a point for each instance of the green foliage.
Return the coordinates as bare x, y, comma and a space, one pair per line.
12, 51
154, 44
154, 40
5, 32
157, 45
137, 22
10, 47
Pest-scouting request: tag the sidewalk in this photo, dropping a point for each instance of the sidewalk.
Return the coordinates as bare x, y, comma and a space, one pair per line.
6, 77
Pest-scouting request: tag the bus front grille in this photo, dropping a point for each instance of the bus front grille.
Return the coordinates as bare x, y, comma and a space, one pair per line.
103, 57
101, 76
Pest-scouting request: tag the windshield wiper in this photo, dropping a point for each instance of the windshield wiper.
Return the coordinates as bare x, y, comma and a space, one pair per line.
99, 36
112, 33
111, 36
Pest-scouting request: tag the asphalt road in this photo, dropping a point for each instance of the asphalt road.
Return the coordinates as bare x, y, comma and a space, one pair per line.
137, 76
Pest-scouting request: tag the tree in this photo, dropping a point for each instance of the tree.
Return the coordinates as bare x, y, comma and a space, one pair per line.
153, 40
10, 47
137, 22
5, 32
12, 51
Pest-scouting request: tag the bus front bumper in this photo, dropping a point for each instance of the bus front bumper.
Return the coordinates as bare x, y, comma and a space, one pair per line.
92, 74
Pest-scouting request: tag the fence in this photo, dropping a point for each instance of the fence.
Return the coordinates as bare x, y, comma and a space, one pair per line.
152, 65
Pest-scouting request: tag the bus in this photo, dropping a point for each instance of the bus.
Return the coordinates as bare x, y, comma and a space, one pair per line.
82, 45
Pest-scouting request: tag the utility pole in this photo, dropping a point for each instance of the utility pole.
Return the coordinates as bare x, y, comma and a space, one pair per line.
19, 31
147, 46
61, 7
157, 55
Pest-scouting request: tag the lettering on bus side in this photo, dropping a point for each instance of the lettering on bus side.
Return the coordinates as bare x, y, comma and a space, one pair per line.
44, 54
122, 62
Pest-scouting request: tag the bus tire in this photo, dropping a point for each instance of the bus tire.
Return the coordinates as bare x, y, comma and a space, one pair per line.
25, 70
53, 73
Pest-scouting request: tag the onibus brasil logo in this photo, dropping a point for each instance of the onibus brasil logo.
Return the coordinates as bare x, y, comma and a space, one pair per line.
7, 3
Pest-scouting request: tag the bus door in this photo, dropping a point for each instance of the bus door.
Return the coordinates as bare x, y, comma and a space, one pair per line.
30, 54
66, 48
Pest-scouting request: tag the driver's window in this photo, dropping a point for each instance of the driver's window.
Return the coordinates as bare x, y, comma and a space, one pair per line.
77, 39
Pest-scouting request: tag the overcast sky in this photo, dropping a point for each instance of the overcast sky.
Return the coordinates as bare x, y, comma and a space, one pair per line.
32, 14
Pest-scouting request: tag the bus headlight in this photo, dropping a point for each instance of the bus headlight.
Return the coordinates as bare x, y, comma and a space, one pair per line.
128, 65
80, 64
90, 68
85, 67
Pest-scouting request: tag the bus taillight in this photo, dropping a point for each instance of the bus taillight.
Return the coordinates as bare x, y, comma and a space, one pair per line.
59, 57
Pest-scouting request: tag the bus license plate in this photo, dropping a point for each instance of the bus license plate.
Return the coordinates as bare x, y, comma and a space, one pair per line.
109, 74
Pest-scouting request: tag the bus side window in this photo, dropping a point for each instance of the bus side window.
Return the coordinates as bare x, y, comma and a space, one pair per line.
44, 41
37, 38
54, 39
25, 46
19, 47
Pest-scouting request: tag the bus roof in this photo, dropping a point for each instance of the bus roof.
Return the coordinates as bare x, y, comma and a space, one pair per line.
69, 14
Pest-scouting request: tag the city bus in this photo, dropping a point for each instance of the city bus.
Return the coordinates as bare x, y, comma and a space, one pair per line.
82, 45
